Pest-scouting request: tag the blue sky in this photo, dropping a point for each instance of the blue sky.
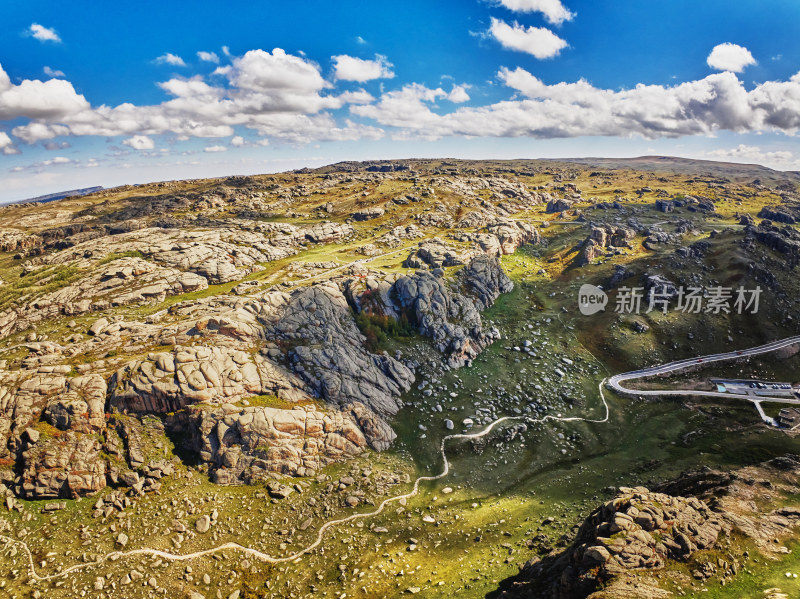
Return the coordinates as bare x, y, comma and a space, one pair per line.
94, 94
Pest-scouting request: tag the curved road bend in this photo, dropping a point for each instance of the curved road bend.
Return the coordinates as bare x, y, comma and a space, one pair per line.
615, 381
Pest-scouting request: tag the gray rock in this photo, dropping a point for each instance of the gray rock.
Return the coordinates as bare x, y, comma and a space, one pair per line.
203, 524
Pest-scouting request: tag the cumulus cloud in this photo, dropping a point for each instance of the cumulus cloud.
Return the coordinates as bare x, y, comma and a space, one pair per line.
458, 94
140, 142
208, 57
730, 57
703, 107
282, 97
33, 132
781, 159
407, 108
38, 99
274, 93
537, 41
212, 149
350, 68
553, 10
7, 146
44, 34
237, 141
53, 72
170, 58
263, 71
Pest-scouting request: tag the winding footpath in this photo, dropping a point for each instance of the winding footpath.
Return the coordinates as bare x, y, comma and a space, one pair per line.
265, 557
614, 382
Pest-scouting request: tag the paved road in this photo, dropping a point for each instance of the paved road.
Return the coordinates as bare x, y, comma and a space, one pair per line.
615, 381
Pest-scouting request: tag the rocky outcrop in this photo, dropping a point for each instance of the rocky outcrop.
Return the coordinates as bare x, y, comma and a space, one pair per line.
665, 206
785, 240
511, 234
250, 444
601, 238
657, 286
433, 254
778, 214
558, 205
169, 381
501, 237
368, 213
68, 465
637, 530
329, 355
485, 280
448, 317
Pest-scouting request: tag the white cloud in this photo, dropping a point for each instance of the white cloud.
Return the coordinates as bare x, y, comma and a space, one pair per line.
53, 72
281, 97
459, 94
208, 57
730, 57
44, 34
537, 41
7, 146
553, 10
350, 68
703, 107
275, 94
140, 142
44, 163
170, 58
360, 40
780, 159
263, 71
237, 141
360, 96
215, 149
56, 145
33, 132
37, 99
404, 108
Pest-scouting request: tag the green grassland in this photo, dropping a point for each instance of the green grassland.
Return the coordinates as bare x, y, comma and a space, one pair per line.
502, 491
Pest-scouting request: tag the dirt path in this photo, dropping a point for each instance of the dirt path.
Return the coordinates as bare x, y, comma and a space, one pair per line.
265, 557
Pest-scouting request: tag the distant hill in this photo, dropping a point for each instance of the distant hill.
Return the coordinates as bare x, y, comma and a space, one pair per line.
690, 166
51, 197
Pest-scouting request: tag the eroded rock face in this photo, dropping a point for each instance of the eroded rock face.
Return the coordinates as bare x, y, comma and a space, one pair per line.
67, 466
314, 350
448, 317
250, 444
512, 234
558, 205
779, 214
329, 354
485, 280
502, 236
167, 382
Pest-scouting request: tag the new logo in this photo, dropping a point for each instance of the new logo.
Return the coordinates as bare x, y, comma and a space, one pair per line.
591, 300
